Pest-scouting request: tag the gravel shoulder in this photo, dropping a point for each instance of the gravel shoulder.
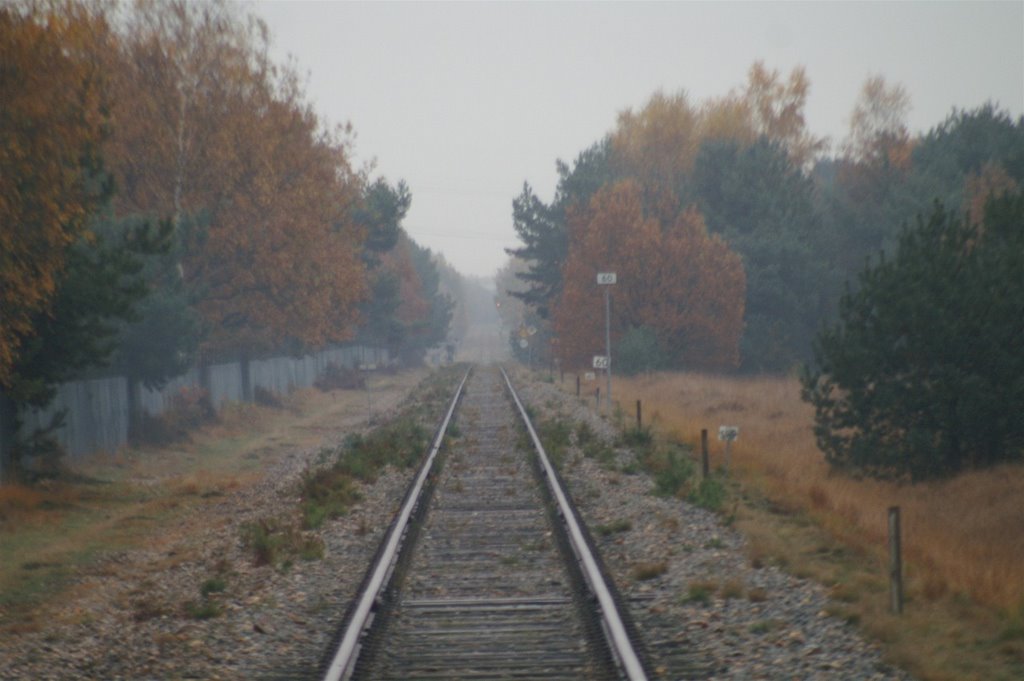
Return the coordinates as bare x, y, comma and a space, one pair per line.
137, 614
709, 613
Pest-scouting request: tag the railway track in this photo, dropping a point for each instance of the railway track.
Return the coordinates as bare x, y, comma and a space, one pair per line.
487, 571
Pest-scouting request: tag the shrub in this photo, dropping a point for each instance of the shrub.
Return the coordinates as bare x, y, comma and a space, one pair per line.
276, 542
671, 472
921, 376
638, 351
187, 410
338, 377
556, 435
700, 592
267, 398
214, 585
709, 494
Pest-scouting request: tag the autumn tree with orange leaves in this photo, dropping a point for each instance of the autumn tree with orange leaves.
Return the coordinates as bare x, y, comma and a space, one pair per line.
673, 278
214, 135
52, 124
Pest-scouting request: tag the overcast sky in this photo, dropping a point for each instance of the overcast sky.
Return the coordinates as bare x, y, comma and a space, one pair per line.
466, 101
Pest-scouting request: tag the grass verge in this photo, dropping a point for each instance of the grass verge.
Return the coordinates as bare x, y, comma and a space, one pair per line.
963, 538
53, 533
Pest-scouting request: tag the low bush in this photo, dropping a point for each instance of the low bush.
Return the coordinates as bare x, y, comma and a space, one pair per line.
267, 398
556, 434
338, 377
187, 410
671, 469
275, 542
709, 494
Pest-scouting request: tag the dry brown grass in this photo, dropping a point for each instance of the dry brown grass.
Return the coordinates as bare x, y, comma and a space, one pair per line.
146, 496
963, 538
964, 535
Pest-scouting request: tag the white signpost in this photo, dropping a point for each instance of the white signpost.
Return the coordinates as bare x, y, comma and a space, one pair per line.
728, 434
600, 362
607, 279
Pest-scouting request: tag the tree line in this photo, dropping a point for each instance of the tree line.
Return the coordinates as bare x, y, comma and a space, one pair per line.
743, 242
170, 198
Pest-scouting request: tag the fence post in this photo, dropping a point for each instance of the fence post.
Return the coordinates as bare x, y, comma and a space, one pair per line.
705, 467
597, 397
577, 385
895, 563
639, 416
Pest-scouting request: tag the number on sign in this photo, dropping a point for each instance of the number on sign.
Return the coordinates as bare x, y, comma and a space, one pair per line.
600, 362
605, 278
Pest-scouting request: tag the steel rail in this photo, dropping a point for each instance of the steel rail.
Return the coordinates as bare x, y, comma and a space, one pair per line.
344, 659
615, 629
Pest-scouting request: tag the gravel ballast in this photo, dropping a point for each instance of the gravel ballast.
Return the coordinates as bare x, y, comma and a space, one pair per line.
702, 608
709, 613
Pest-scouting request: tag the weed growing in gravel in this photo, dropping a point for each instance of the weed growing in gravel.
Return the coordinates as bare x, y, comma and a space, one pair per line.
203, 609
585, 435
329, 492
147, 608
275, 543
644, 571
214, 585
757, 595
630, 468
637, 437
709, 494
764, 626
700, 592
614, 527
555, 434
715, 543
732, 588
326, 493
671, 471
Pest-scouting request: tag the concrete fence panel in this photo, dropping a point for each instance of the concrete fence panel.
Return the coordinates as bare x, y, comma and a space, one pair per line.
97, 410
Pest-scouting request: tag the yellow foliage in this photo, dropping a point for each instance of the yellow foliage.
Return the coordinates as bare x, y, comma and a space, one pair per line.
51, 125
207, 127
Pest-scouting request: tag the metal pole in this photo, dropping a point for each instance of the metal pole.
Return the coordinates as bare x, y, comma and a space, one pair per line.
895, 563
608, 344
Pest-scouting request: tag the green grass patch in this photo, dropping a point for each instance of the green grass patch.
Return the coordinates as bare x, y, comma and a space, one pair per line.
700, 592
670, 468
614, 527
214, 585
556, 435
203, 609
709, 494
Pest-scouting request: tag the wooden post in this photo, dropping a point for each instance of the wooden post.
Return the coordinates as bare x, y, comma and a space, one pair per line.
639, 416
577, 385
597, 396
705, 467
895, 563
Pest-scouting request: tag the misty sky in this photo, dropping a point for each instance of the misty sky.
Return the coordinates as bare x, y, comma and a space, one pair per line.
466, 101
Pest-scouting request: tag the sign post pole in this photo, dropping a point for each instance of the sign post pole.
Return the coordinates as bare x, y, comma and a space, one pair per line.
607, 279
729, 435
